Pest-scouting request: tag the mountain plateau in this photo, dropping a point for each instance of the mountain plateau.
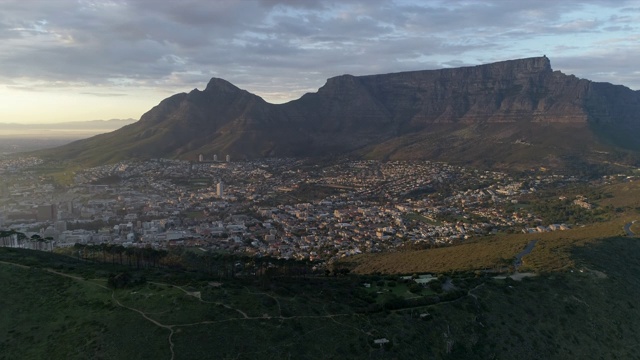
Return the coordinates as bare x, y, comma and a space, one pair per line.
512, 113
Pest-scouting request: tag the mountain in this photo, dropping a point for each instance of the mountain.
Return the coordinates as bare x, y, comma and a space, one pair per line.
516, 112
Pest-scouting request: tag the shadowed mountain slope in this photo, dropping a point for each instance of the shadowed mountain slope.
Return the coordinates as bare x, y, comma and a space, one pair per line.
511, 112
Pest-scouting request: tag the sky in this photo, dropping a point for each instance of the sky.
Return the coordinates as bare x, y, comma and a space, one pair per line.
75, 60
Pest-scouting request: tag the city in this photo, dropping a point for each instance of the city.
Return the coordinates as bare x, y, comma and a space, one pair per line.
281, 208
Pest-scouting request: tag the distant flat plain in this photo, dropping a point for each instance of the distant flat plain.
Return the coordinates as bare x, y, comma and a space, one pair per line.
15, 138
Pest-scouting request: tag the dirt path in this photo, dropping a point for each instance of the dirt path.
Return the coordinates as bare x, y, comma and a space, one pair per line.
18, 265
78, 278
197, 295
269, 295
155, 322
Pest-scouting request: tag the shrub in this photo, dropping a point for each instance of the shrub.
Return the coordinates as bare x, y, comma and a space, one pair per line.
415, 288
436, 285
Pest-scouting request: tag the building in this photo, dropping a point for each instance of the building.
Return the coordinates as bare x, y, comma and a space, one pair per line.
4, 189
215, 157
220, 189
61, 226
200, 158
228, 158
47, 213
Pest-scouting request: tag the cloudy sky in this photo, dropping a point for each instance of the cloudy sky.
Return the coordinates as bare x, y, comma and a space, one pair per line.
69, 60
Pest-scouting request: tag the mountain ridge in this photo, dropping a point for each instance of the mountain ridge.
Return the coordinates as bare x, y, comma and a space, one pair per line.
456, 114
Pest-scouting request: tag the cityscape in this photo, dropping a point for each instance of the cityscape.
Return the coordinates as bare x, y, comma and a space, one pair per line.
357, 179
280, 208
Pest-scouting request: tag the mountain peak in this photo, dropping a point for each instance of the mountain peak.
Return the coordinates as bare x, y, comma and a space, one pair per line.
533, 64
220, 85
470, 114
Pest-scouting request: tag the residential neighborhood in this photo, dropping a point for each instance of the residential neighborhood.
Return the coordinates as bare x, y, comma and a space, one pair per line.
286, 208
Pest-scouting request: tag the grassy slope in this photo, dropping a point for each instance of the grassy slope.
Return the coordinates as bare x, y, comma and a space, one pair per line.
551, 253
48, 316
513, 146
561, 315
588, 314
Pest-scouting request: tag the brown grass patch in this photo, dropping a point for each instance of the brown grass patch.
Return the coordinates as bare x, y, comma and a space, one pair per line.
624, 194
551, 253
479, 254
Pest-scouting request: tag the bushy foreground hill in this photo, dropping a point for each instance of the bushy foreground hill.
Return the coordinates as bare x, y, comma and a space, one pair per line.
55, 306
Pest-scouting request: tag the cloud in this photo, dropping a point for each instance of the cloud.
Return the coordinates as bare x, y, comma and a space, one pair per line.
613, 65
103, 94
279, 47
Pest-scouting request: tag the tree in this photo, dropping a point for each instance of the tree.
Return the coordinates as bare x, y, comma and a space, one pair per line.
415, 288
21, 237
80, 250
104, 247
436, 285
130, 252
111, 249
119, 249
6, 235
35, 240
47, 240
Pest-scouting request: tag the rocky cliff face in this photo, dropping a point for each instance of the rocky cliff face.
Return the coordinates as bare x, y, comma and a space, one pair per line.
509, 91
452, 114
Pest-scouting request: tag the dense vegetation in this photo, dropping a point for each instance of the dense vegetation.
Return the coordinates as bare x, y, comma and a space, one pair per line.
111, 302
96, 306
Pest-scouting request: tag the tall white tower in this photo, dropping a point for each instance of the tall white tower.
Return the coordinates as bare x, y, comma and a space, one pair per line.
228, 158
220, 189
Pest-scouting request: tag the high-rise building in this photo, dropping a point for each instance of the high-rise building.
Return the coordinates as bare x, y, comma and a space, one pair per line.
47, 213
228, 158
200, 158
220, 189
215, 157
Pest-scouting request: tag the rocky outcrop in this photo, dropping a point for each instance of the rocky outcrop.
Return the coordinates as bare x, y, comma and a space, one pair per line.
418, 114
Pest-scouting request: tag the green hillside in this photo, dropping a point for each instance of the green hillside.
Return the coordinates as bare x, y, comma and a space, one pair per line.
56, 306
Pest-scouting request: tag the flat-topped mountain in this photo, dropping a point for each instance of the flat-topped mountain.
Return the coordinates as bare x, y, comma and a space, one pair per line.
510, 112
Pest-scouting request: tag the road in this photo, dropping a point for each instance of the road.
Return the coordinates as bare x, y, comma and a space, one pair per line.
627, 228
518, 261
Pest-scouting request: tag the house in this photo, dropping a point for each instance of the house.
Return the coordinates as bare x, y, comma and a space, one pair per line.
380, 341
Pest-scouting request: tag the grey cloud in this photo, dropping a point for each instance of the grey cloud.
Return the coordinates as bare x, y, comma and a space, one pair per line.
102, 94
619, 69
280, 46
